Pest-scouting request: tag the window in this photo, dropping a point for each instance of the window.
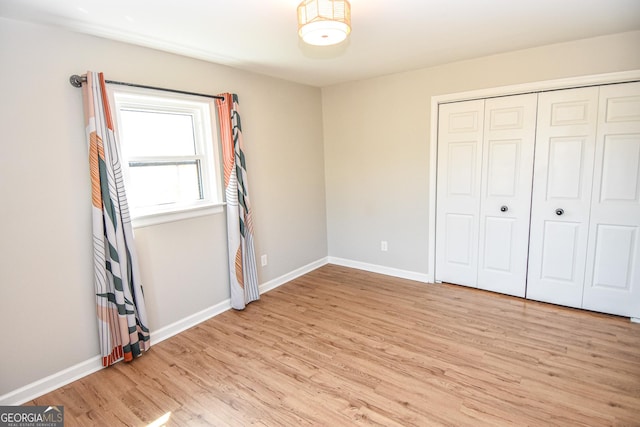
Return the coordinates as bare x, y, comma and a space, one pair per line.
169, 154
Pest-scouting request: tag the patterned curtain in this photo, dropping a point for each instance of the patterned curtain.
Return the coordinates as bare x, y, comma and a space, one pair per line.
122, 319
242, 258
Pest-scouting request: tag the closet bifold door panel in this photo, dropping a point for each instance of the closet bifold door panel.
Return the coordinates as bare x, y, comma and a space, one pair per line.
460, 133
612, 283
561, 200
505, 202
485, 163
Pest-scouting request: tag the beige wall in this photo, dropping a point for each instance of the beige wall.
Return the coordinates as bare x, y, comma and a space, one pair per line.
47, 316
376, 137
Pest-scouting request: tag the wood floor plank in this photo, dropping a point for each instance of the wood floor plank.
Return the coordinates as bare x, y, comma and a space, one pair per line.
340, 347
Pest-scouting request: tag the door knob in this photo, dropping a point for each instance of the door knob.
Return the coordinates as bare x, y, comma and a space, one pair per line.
559, 212
504, 208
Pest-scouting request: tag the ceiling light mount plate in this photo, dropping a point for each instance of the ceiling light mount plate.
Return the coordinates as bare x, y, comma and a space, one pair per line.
324, 22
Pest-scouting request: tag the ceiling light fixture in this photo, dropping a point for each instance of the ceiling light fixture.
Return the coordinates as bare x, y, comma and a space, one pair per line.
324, 22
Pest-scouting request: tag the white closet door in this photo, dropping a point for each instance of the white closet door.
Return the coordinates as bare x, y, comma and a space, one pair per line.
507, 174
563, 170
458, 191
612, 282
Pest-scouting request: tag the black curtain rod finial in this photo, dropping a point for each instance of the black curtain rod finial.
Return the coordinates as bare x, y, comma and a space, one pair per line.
76, 80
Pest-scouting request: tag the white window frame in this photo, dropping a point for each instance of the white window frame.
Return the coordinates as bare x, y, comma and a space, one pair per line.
203, 111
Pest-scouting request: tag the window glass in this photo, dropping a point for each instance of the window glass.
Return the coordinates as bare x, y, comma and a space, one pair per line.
164, 184
156, 133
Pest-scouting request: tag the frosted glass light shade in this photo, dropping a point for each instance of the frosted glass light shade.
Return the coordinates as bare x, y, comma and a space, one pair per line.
324, 22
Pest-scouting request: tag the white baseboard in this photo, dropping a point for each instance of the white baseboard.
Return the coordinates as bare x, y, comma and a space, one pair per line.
389, 271
189, 322
635, 319
272, 284
82, 369
52, 382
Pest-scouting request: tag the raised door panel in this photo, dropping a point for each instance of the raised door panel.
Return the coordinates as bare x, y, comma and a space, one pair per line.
560, 261
507, 168
460, 128
566, 170
612, 283
459, 232
461, 167
561, 200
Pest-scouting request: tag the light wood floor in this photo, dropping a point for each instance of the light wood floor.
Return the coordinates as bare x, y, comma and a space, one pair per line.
339, 347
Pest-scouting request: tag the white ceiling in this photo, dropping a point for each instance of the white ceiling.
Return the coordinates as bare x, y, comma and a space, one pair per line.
388, 35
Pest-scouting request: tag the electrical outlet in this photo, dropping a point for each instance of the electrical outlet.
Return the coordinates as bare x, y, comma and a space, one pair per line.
383, 246
263, 260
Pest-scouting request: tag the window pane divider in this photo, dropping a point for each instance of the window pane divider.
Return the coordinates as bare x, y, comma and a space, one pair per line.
164, 163
165, 159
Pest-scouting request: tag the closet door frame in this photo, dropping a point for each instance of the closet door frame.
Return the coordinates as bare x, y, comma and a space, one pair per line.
588, 80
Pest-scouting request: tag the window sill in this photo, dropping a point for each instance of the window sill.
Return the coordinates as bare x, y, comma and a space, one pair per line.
164, 217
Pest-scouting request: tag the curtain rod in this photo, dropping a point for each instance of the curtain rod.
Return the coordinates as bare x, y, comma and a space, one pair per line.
76, 81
